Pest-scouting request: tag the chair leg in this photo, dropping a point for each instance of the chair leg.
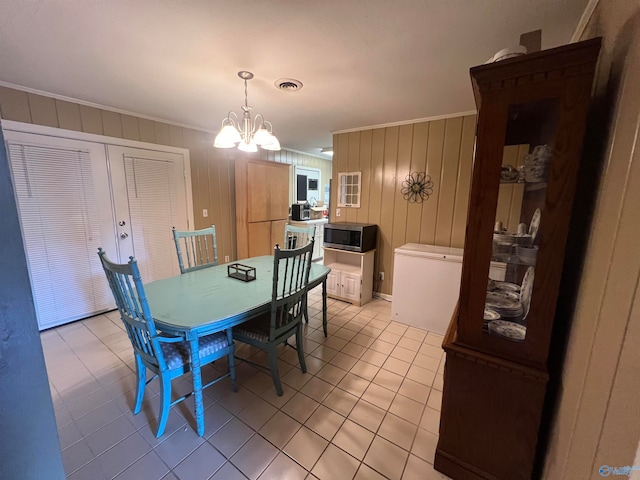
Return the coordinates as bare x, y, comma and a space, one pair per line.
300, 349
273, 366
165, 403
141, 373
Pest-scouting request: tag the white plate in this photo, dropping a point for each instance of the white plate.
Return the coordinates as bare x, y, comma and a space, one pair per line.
526, 290
506, 286
499, 300
535, 224
505, 294
490, 315
509, 330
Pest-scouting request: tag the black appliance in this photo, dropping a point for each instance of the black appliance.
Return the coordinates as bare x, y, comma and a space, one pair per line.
355, 237
300, 211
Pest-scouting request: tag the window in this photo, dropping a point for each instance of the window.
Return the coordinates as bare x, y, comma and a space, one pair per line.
349, 189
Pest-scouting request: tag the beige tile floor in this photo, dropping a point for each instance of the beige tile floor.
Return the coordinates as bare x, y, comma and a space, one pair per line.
368, 407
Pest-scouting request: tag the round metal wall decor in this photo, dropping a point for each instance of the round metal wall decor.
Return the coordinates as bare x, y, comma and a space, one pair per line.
417, 187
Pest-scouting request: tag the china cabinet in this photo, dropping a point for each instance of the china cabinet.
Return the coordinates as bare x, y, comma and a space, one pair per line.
531, 117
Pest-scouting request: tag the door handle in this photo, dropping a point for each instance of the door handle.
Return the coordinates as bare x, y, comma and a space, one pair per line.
124, 235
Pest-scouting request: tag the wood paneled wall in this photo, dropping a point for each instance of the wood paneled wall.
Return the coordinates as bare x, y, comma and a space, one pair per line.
212, 170
385, 156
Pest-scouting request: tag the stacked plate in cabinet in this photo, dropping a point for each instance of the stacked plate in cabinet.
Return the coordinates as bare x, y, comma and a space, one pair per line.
504, 244
504, 300
509, 330
489, 316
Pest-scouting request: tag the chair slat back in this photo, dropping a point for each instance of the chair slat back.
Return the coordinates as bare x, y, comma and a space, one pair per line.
290, 279
126, 285
296, 237
198, 248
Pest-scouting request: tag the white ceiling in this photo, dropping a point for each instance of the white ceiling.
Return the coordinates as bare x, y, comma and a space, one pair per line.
362, 62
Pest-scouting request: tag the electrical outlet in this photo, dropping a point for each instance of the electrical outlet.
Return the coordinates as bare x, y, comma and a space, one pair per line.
205, 212
337, 212
381, 274
226, 259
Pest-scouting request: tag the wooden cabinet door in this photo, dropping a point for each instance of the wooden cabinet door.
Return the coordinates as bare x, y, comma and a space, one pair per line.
278, 185
259, 234
257, 192
267, 191
350, 285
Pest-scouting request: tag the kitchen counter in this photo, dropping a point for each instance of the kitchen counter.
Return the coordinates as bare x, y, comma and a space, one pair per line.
303, 223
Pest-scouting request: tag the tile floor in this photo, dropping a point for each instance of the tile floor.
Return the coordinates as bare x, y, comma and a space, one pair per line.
367, 409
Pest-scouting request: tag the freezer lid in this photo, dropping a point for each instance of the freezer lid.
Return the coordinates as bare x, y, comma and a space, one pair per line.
430, 251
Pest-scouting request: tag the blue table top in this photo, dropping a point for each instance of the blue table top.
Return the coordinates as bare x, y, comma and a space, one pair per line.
208, 300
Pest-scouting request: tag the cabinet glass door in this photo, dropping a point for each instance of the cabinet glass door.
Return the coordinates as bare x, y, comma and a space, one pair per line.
527, 163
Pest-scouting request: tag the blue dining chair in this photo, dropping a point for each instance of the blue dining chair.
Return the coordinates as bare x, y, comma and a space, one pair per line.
168, 357
197, 247
296, 237
288, 303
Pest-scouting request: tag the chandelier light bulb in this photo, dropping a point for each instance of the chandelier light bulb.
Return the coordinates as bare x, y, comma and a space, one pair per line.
262, 137
250, 147
228, 137
273, 146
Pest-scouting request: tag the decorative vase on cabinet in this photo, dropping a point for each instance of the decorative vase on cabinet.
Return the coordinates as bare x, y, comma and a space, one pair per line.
531, 118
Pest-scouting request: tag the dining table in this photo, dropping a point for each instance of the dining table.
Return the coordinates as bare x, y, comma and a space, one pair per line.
207, 301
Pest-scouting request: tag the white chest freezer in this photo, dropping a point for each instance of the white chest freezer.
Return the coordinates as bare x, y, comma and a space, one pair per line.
426, 285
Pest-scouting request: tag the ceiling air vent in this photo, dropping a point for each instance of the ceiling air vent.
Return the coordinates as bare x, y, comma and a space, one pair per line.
288, 84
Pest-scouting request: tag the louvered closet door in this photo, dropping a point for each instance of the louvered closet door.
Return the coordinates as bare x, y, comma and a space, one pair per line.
64, 204
150, 197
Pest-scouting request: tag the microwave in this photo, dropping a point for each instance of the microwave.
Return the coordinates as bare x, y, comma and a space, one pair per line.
355, 237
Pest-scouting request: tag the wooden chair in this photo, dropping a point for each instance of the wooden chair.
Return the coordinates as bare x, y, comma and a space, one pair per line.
168, 357
288, 303
199, 247
296, 237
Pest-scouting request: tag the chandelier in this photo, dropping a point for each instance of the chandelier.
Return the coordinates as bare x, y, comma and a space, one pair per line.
246, 133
